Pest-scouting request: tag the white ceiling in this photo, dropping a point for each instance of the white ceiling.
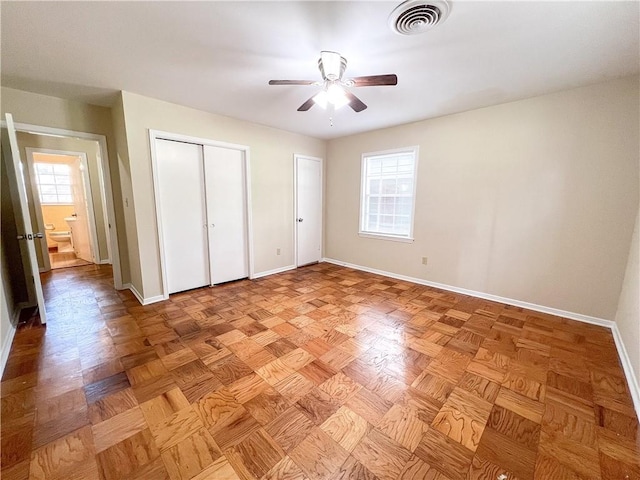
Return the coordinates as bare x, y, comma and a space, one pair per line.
219, 56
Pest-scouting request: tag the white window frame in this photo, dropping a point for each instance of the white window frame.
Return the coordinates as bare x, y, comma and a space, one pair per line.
55, 184
363, 177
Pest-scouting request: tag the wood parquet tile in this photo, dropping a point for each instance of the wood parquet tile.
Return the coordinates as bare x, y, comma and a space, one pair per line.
321, 373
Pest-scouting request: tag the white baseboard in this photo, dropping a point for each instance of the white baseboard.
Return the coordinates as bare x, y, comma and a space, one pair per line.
106, 261
632, 379
627, 366
274, 271
485, 296
140, 298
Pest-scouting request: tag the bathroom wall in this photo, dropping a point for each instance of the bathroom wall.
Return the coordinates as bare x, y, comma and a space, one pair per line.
55, 215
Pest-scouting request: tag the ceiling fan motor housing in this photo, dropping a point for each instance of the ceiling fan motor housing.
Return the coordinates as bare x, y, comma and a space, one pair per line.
332, 65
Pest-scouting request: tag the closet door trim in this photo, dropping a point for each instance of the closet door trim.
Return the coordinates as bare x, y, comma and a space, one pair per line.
160, 135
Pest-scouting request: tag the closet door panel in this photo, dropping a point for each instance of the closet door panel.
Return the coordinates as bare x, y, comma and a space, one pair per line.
183, 209
226, 209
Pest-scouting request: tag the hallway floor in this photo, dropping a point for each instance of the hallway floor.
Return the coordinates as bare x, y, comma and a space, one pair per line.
318, 373
66, 259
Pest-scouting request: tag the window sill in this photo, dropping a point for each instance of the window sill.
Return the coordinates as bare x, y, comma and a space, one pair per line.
381, 236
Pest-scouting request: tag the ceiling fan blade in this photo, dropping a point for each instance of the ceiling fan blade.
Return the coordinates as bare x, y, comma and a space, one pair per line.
355, 103
291, 82
306, 105
375, 80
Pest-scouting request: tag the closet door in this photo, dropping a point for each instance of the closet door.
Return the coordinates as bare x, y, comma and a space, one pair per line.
184, 220
226, 209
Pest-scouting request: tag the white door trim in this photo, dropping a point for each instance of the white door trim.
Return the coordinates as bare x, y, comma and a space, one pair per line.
297, 156
93, 232
160, 135
105, 179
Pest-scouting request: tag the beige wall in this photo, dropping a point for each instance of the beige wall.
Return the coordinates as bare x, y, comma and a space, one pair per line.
271, 163
532, 200
43, 110
628, 314
126, 189
91, 148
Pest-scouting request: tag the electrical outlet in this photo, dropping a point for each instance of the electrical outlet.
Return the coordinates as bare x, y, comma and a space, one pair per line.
424, 260
277, 251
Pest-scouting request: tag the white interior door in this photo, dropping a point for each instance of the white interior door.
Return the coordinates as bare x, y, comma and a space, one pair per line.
183, 211
27, 235
80, 226
308, 210
227, 213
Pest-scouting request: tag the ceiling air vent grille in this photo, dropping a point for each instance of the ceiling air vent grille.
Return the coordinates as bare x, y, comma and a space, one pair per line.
418, 16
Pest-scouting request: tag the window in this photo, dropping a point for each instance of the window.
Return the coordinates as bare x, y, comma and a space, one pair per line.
388, 193
54, 183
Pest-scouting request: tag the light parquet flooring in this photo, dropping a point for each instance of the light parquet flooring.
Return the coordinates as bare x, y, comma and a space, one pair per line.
321, 373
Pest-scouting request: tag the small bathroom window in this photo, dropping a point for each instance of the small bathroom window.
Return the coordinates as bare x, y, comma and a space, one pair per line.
54, 183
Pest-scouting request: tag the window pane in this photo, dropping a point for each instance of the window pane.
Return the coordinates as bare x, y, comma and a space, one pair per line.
50, 179
374, 186
62, 169
387, 205
47, 189
44, 168
60, 180
49, 199
374, 203
373, 168
388, 185
64, 189
65, 199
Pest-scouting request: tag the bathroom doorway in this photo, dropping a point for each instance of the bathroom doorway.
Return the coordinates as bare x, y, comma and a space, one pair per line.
62, 198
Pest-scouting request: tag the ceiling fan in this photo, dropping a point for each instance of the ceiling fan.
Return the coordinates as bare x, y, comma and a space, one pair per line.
334, 94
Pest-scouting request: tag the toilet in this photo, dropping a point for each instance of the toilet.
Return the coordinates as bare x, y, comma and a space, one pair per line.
61, 237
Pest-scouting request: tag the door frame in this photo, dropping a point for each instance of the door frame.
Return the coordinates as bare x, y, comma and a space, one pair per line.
93, 231
113, 249
296, 157
176, 137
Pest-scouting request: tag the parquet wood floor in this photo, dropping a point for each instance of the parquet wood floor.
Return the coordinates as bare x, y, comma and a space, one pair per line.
319, 373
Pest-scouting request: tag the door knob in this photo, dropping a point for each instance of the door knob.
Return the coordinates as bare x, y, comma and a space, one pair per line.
300, 220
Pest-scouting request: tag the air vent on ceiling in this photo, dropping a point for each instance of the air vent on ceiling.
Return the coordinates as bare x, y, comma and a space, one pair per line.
418, 16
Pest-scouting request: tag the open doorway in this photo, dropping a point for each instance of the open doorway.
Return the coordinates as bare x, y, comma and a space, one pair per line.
66, 182
64, 206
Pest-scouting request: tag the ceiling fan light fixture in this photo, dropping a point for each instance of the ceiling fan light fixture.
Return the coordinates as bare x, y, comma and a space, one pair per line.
321, 99
337, 96
332, 95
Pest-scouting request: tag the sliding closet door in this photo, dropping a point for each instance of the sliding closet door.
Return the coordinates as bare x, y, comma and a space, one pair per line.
226, 207
184, 220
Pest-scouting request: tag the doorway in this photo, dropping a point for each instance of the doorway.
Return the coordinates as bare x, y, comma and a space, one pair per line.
94, 146
308, 206
64, 207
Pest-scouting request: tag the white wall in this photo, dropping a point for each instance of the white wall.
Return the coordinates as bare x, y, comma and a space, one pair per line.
531, 200
628, 314
271, 163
